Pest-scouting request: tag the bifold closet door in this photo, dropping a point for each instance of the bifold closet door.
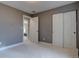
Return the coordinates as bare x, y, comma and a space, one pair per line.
70, 29
57, 22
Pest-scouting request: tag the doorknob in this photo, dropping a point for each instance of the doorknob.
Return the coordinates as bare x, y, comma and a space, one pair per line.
25, 34
74, 32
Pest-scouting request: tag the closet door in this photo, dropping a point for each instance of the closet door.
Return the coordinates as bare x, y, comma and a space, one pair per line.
57, 30
70, 29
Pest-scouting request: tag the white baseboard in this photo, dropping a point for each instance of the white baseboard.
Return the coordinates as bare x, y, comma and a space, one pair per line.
45, 43
7, 47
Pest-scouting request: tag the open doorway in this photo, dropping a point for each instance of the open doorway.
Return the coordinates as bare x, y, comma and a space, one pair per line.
30, 29
26, 20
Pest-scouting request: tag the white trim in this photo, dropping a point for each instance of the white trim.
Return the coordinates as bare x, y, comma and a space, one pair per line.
7, 47
26, 16
45, 43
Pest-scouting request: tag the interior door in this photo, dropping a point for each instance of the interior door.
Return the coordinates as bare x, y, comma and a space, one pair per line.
34, 29
70, 29
57, 30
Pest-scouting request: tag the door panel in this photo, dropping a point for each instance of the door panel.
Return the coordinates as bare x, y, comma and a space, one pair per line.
58, 30
70, 29
34, 29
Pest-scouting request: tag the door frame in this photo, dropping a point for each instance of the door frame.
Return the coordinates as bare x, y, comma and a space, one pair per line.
28, 18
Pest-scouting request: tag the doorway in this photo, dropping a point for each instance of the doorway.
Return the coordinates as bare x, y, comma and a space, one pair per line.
30, 29
26, 20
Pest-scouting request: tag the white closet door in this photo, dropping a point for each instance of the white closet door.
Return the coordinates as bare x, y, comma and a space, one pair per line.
57, 30
70, 29
34, 29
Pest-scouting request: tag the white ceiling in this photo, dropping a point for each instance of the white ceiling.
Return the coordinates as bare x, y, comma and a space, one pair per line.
38, 6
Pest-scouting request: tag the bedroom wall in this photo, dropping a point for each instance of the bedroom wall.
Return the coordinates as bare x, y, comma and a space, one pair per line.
45, 21
11, 25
